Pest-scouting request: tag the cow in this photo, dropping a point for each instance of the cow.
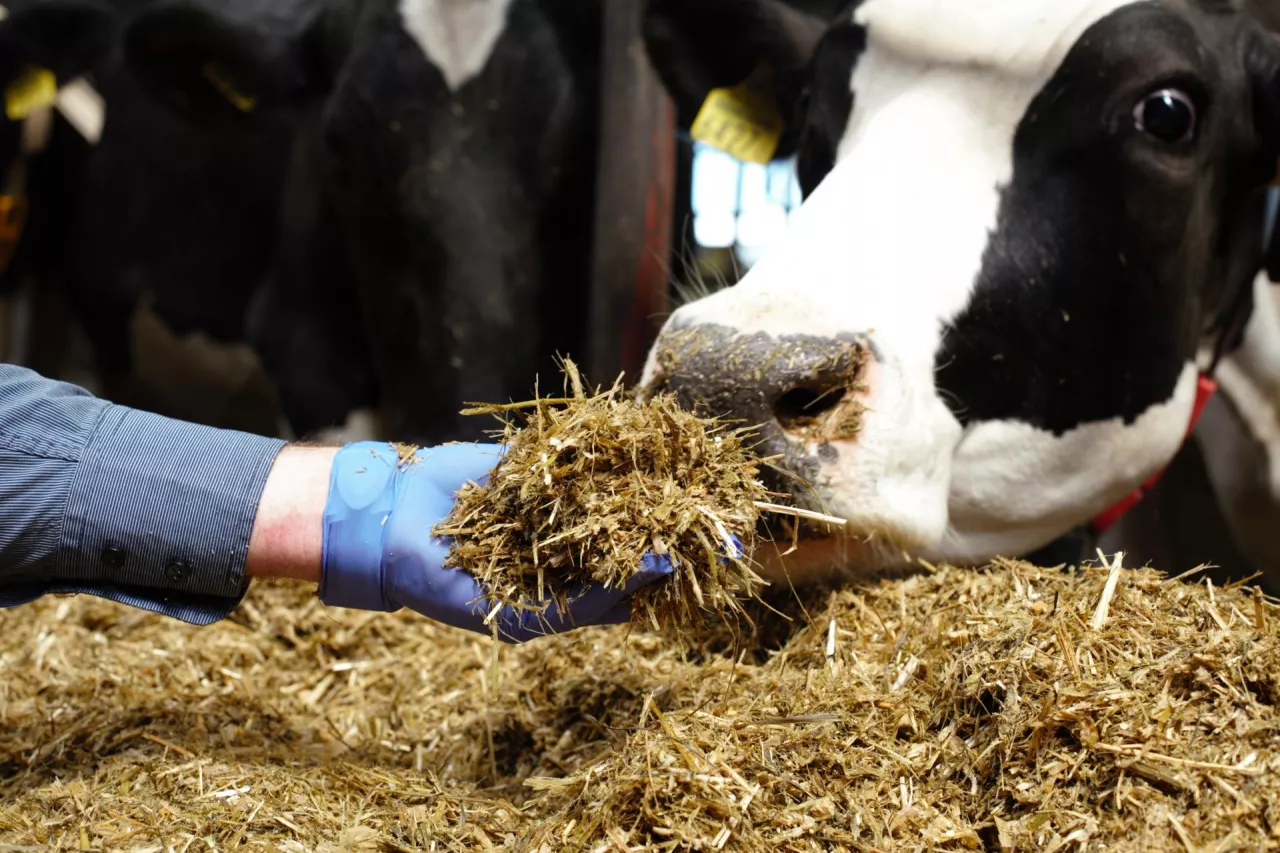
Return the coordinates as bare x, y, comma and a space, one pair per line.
301, 315
39, 151
155, 232
1031, 230
445, 149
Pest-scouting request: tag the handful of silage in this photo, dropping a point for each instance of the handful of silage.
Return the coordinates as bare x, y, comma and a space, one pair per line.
591, 483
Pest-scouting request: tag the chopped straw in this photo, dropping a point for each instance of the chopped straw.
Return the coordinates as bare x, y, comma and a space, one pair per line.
591, 483
956, 710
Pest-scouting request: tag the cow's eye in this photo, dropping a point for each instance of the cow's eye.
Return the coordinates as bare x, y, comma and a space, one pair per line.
1168, 115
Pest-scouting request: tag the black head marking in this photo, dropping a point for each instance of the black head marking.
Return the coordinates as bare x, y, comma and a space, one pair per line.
1114, 251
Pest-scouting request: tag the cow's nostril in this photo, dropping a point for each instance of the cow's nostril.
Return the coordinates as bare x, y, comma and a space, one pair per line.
803, 406
821, 411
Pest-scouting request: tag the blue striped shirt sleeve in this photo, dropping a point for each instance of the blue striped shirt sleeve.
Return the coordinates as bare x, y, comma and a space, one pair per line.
106, 500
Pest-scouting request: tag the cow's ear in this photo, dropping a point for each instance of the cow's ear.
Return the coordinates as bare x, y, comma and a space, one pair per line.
66, 37
218, 61
698, 47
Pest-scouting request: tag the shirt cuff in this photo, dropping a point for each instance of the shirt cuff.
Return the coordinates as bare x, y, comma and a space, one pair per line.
194, 609
164, 509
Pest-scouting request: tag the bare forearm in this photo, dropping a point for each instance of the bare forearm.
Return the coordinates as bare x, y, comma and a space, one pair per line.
287, 536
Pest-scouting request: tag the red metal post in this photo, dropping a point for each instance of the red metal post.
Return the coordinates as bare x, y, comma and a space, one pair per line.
631, 247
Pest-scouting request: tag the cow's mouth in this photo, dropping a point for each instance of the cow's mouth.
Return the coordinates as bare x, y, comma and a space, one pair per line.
814, 559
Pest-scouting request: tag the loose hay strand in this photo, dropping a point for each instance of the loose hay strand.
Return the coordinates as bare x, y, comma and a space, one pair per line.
800, 513
1108, 591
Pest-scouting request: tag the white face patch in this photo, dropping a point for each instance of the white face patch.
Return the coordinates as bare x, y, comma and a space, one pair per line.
890, 246
457, 36
1015, 488
1015, 38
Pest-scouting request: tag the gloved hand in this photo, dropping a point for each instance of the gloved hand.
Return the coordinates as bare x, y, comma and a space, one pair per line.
379, 553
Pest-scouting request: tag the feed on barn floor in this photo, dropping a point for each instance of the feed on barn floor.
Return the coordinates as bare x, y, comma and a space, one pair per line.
999, 709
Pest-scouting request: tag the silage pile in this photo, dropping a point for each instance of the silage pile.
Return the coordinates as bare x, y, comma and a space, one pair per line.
1011, 709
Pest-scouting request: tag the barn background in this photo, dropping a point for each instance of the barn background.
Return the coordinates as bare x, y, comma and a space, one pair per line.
675, 217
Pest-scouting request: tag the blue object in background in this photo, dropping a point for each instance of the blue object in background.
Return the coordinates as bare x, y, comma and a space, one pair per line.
744, 206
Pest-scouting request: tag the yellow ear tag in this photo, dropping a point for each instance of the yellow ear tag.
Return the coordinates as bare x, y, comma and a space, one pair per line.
218, 79
741, 121
34, 88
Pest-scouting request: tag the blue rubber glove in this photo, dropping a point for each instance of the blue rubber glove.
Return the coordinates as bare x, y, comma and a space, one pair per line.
379, 553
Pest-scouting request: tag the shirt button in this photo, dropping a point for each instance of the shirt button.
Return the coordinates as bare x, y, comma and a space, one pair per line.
113, 558
177, 571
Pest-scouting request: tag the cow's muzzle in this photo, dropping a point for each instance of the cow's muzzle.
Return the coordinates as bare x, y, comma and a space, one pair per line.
800, 394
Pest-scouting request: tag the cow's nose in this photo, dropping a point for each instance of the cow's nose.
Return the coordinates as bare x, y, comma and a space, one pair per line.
799, 392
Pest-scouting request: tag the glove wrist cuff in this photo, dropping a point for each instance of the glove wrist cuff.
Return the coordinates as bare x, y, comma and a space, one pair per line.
362, 493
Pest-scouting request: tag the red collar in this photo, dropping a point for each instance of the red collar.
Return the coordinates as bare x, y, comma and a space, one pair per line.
1205, 389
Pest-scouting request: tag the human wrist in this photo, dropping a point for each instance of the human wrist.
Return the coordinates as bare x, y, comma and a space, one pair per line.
288, 531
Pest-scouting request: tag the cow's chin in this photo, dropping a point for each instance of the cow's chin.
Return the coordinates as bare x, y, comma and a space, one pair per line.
851, 554
1005, 489
829, 559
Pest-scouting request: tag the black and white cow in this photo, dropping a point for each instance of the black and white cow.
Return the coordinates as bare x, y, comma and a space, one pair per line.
1029, 225
40, 153
449, 153
147, 220
301, 315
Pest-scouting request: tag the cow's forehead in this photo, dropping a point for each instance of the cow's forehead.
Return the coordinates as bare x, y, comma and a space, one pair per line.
1023, 37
